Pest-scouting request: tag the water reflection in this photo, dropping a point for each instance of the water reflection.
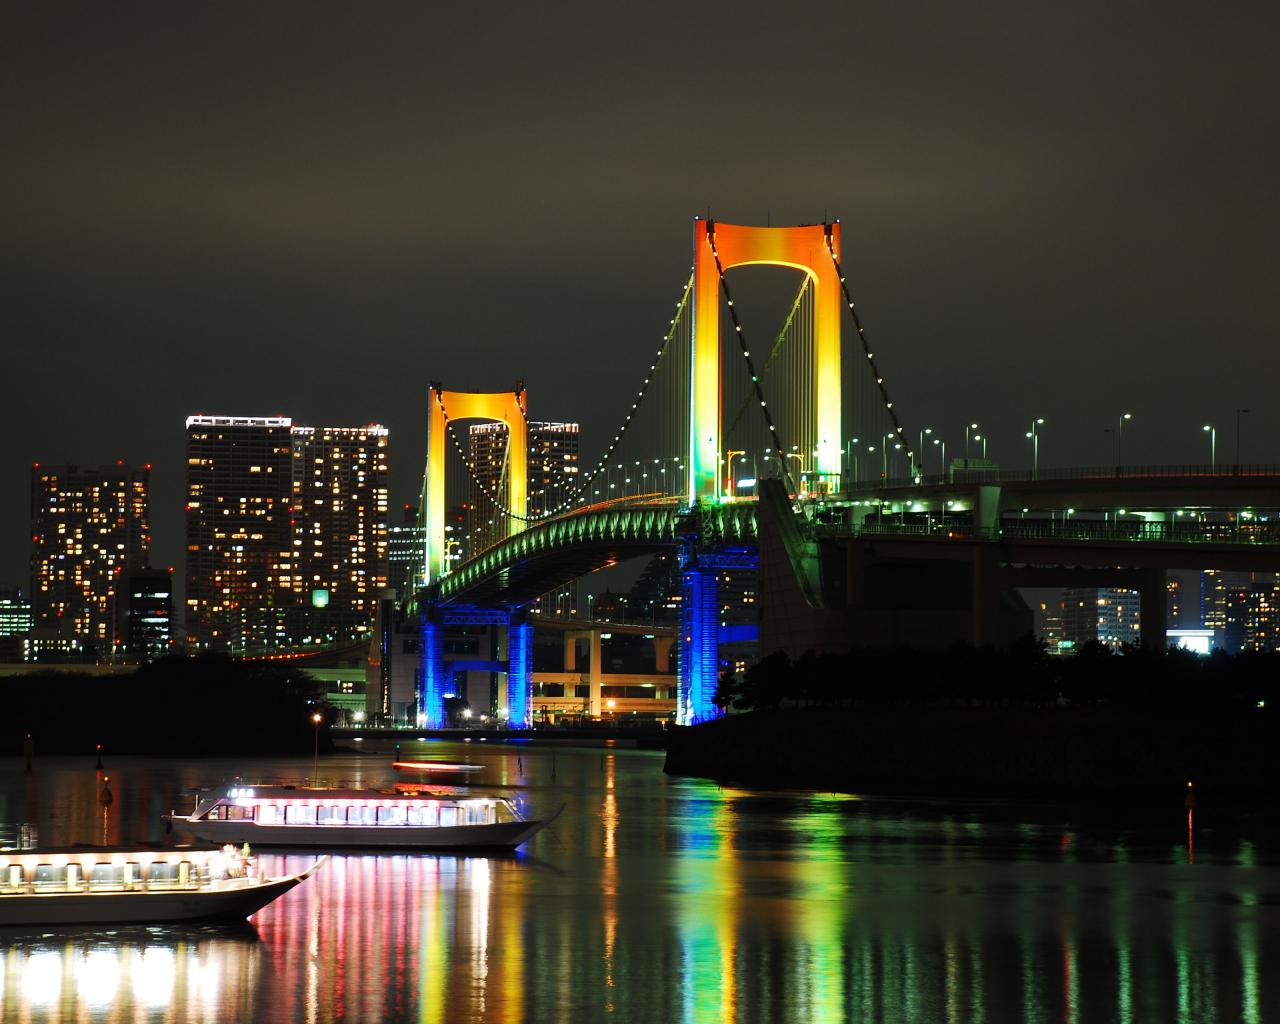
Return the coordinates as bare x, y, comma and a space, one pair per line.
668, 899
203, 975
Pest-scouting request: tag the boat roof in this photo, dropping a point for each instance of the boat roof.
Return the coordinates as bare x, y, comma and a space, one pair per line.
82, 850
321, 793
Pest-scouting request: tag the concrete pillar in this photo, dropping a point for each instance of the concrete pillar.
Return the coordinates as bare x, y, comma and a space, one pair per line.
986, 510
986, 592
1154, 609
431, 673
700, 647
595, 706
571, 652
662, 653
519, 674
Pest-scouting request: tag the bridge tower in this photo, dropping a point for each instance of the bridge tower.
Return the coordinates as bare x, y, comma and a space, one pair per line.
813, 250
508, 407
810, 248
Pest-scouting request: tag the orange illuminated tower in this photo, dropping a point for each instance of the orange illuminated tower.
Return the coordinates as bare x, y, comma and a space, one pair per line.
810, 248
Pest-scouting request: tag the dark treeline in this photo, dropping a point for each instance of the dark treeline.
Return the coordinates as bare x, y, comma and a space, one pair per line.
1025, 675
206, 705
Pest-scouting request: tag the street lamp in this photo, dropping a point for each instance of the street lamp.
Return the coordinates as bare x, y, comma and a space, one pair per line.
851, 459
969, 427
1033, 433
920, 448
733, 491
983, 439
316, 719
1213, 445
1120, 438
943, 465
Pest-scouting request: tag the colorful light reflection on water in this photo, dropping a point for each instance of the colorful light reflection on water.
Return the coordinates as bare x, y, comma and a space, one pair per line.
656, 899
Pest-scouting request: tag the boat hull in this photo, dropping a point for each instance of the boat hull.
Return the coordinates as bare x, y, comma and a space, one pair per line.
226, 904
505, 835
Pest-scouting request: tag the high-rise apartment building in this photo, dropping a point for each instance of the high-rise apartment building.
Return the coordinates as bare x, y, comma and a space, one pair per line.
1224, 599
1262, 613
88, 526
239, 492
15, 623
552, 474
1109, 615
337, 565
144, 614
286, 531
406, 553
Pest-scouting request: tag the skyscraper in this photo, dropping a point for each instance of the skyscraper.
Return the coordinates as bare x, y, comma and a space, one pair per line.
552, 474
406, 553
239, 489
338, 562
87, 527
144, 614
286, 531
1109, 615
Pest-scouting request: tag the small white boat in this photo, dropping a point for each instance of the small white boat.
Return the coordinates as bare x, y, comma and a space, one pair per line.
333, 818
133, 885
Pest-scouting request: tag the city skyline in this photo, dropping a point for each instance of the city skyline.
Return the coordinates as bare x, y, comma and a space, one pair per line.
1097, 244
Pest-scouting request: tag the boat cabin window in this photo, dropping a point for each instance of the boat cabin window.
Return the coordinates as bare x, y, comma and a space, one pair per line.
299, 814
391, 816
49, 877
106, 876
331, 815
235, 813
362, 816
161, 875
448, 815
270, 814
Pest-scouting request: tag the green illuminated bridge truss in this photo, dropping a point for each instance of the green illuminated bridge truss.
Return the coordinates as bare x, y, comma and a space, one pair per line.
549, 554
556, 551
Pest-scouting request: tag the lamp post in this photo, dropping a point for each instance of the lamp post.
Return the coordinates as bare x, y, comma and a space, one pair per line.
942, 468
1213, 446
799, 457
1034, 434
729, 484
316, 719
968, 427
1120, 438
1239, 413
983, 439
851, 459
920, 448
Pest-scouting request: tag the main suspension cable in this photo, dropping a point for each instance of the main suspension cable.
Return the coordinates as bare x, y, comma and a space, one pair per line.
866, 348
746, 354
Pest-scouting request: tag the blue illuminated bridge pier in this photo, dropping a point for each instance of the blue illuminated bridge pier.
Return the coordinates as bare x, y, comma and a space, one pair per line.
784, 454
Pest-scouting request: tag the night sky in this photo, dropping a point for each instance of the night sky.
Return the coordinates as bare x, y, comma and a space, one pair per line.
1067, 211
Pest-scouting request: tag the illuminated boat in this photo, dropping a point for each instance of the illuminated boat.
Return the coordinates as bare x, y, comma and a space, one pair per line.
456, 774
333, 818
133, 885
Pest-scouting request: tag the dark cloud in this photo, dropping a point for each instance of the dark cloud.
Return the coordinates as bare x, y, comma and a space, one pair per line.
1056, 210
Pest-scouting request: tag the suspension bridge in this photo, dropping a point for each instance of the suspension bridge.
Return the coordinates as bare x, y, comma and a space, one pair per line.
787, 449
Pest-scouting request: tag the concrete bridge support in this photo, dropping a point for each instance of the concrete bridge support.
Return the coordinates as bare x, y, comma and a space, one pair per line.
435, 676
432, 678
700, 645
1153, 611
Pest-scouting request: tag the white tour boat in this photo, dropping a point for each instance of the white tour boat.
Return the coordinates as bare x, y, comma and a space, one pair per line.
331, 818
133, 885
